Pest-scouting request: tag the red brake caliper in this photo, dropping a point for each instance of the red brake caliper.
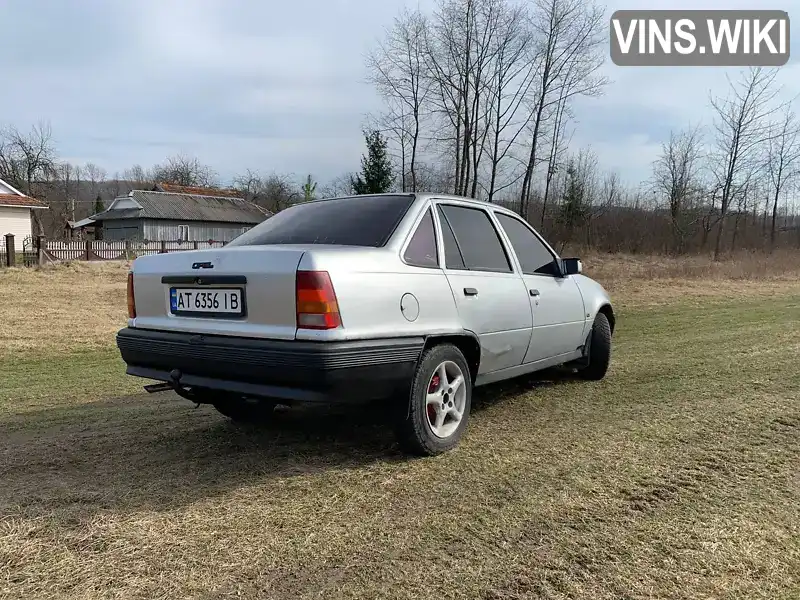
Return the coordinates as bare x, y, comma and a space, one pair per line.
435, 381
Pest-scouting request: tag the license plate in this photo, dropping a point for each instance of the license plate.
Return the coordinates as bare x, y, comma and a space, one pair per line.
208, 302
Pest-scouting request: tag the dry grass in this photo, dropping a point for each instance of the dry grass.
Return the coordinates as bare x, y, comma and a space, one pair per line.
68, 306
80, 305
783, 265
676, 477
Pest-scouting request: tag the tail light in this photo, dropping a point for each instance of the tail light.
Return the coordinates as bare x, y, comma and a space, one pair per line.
317, 307
131, 301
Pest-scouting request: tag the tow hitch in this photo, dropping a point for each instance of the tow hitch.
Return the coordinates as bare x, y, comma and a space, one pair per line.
174, 385
154, 388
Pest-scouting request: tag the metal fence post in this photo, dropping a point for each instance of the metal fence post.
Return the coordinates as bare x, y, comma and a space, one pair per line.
41, 245
11, 253
163, 247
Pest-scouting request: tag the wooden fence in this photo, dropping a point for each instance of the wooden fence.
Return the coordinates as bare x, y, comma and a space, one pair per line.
39, 250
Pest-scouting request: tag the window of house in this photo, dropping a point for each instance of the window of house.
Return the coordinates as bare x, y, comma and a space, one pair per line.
183, 233
421, 250
533, 255
477, 239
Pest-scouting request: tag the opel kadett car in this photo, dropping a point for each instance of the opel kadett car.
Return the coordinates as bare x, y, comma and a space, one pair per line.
408, 299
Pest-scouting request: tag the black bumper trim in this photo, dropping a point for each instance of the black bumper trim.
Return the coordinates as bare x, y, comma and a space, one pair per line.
236, 387
299, 370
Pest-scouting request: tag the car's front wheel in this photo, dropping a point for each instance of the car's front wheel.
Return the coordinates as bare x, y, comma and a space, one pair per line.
599, 350
436, 416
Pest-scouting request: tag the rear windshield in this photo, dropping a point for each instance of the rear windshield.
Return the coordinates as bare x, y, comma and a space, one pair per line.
357, 221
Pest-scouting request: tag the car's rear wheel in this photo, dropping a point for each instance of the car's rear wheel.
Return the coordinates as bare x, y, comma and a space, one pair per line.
599, 350
437, 413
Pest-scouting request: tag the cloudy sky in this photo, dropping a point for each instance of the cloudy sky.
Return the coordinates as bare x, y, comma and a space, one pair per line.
275, 86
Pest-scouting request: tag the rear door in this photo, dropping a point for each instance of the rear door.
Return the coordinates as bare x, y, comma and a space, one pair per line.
559, 316
491, 297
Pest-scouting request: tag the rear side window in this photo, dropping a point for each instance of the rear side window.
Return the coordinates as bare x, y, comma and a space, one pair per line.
452, 254
477, 239
533, 255
421, 250
357, 221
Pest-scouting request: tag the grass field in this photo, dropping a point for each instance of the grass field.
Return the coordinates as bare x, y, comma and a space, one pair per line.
678, 476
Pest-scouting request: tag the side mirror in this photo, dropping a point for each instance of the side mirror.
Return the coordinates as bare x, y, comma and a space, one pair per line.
571, 266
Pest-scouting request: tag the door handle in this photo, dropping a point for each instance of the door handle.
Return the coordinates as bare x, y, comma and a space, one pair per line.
470, 292
534, 293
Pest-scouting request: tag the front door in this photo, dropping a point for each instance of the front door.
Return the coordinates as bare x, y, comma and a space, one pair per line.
559, 316
491, 297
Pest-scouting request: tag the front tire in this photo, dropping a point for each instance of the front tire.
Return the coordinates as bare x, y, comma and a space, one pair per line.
437, 413
599, 350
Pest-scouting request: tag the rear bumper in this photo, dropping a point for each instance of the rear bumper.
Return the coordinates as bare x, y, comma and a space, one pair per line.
349, 371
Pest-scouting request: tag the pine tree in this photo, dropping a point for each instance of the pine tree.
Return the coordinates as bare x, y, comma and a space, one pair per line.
376, 168
309, 189
574, 210
98, 204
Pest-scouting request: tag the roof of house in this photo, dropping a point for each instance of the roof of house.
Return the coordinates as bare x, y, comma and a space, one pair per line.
20, 201
82, 223
141, 204
11, 196
197, 190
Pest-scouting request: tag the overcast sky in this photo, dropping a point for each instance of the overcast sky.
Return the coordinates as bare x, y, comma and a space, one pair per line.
275, 86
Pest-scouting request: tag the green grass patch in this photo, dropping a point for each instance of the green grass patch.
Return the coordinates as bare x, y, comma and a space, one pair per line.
675, 477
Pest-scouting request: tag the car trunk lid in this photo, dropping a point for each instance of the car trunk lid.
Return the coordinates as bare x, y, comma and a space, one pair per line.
242, 291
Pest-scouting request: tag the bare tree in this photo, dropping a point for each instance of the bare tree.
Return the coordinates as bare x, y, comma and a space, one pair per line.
742, 128
395, 124
467, 83
62, 201
460, 48
397, 68
185, 170
579, 195
675, 177
511, 76
557, 147
569, 54
274, 192
783, 163
96, 175
338, 186
26, 159
249, 183
138, 177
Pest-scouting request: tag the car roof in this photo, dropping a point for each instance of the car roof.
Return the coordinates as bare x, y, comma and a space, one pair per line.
425, 196
482, 203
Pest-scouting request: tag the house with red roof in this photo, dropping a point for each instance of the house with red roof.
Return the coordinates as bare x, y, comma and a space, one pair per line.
16, 212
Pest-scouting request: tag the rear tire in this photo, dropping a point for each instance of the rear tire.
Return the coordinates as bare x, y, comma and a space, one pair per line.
434, 417
599, 350
245, 410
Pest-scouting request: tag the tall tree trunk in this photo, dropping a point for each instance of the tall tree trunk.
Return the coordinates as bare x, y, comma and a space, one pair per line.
774, 220
414, 142
526, 183
718, 243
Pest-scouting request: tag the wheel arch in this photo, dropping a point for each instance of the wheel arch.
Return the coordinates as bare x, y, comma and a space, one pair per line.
608, 311
467, 342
